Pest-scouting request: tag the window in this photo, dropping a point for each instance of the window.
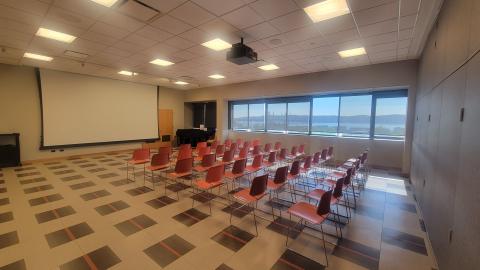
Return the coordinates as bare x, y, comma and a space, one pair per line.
355, 114
256, 117
325, 116
276, 117
390, 117
240, 117
298, 117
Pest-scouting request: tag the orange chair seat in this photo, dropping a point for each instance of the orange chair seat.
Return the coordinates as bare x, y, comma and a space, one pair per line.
303, 170
178, 175
273, 185
338, 174
307, 211
316, 194
268, 164
231, 175
158, 167
138, 161
200, 168
291, 176
245, 197
328, 182
203, 184
250, 168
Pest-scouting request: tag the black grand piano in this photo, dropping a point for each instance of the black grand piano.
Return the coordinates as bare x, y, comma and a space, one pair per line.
193, 136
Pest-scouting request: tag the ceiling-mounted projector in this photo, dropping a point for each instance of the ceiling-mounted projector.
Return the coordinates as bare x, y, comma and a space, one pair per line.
241, 54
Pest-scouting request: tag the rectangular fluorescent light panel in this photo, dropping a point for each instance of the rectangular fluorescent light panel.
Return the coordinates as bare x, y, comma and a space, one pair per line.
352, 52
268, 67
127, 73
47, 33
37, 57
216, 76
327, 9
181, 83
107, 3
161, 62
217, 44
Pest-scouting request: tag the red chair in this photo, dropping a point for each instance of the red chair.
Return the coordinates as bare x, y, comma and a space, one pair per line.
183, 168
272, 159
227, 157
329, 153
337, 195
243, 154
213, 179
312, 214
275, 184
282, 156
238, 170
184, 152
219, 150
257, 150
256, 164
165, 149
201, 152
160, 162
307, 164
213, 145
208, 161
277, 146
246, 145
139, 157
239, 141
201, 144
267, 148
251, 196
293, 153
234, 147
293, 176
227, 143
255, 142
301, 150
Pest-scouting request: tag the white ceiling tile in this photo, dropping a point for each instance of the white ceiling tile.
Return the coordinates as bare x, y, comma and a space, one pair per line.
302, 34
11, 53
243, 17
287, 49
379, 28
179, 43
381, 47
109, 30
164, 5
218, 28
85, 8
343, 36
270, 9
171, 25
192, 14
153, 33
140, 41
30, 6
291, 21
13, 43
378, 39
10, 61
313, 43
85, 46
404, 43
126, 46
405, 34
219, 7
185, 55
17, 26
275, 41
261, 31
138, 11
377, 14
196, 36
337, 24
47, 46
6, 34
117, 51
408, 21
20, 16
122, 21
99, 37
356, 5
408, 7
159, 50
60, 17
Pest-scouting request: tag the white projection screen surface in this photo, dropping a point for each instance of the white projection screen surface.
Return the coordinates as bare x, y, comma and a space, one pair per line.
84, 110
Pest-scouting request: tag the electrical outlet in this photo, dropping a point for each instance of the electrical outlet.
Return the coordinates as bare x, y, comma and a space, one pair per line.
53, 150
462, 114
429, 117
450, 236
424, 182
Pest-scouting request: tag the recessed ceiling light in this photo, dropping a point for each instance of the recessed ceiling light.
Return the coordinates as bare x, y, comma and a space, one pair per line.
107, 3
181, 83
37, 57
352, 52
127, 73
47, 33
327, 9
217, 44
161, 62
269, 67
216, 76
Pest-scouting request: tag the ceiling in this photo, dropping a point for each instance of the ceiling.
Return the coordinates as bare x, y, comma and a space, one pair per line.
130, 34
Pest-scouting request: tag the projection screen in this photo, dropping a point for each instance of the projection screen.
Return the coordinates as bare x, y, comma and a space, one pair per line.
84, 110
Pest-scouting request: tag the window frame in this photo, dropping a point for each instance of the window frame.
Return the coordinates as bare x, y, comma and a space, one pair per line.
375, 94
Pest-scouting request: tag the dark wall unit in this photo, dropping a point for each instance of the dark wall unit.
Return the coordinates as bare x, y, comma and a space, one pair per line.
205, 113
9, 150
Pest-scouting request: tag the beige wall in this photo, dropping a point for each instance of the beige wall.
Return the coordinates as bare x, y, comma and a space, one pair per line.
445, 168
381, 76
20, 112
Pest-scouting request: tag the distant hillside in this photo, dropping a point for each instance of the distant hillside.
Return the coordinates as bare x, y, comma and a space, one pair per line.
381, 119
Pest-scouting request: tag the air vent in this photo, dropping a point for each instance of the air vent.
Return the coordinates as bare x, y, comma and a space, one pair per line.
138, 10
75, 54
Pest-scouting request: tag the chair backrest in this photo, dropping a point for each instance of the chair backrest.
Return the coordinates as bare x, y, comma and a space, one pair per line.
227, 142
283, 153
301, 149
295, 169
183, 146
281, 175
141, 154
214, 145
255, 142
201, 144
324, 205
243, 152
259, 185
246, 144
257, 161
364, 157
256, 150
215, 173
277, 146
293, 152
220, 149
184, 153
323, 156
160, 159
267, 148
234, 147
184, 165
348, 177
228, 156
330, 151
239, 141
316, 158
208, 160
272, 157
203, 151
308, 162
165, 149
239, 166
337, 191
